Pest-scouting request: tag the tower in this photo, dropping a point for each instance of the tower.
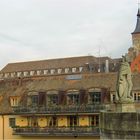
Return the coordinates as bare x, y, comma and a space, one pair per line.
136, 34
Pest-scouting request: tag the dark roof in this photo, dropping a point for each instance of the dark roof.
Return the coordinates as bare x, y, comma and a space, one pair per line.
137, 29
53, 63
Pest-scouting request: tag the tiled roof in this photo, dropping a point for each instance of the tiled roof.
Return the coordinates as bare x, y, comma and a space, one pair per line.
52, 63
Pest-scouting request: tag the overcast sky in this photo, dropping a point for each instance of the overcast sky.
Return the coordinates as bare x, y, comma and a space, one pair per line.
44, 29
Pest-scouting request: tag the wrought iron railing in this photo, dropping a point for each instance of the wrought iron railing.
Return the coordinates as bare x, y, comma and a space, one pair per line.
57, 131
60, 109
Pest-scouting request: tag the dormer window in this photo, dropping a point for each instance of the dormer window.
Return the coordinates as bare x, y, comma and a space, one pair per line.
52, 71
59, 71
45, 72
80, 69
14, 101
32, 73
66, 70
38, 72
73, 70
25, 73
13, 74
6, 75
18, 74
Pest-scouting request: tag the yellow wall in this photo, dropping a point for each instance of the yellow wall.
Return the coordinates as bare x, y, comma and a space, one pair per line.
83, 120
1, 127
8, 130
62, 121
42, 121
21, 121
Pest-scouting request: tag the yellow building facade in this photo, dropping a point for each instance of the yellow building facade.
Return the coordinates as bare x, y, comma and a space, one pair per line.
57, 99
54, 99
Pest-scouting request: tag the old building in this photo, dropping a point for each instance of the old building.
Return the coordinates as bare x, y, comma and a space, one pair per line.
58, 98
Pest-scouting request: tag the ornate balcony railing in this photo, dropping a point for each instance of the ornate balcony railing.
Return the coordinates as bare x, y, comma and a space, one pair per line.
60, 109
57, 131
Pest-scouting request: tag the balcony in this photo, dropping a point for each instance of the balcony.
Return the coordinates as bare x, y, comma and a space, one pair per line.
59, 109
57, 131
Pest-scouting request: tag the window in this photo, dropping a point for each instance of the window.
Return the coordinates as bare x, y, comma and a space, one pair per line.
52, 71
34, 99
32, 73
6, 75
59, 71
45, 71
113, 98
52, 99
18, 74
73, 99
94, 120
12, 122
66, 70
80, 69
38, 72
95, 97
137, 97
12, 74
25, 73
14, 101
73, 70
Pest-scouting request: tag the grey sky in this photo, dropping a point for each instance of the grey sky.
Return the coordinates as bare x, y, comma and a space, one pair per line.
42, 29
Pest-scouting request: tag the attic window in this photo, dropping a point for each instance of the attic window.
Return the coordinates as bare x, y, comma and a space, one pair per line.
66, 70
14, 101
6, 75
32, 73
45, 72
73, 70
52, 71
18, 74
25, 73
13, 74
38, 72
80, 69
59, 71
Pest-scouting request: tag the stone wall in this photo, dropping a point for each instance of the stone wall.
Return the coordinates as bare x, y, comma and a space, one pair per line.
119, 125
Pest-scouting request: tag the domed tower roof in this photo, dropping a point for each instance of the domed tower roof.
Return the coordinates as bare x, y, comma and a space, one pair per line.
137, 29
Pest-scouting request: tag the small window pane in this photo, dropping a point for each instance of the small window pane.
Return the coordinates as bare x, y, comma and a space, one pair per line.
12, 122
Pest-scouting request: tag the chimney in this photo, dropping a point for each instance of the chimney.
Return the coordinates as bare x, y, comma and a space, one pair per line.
106, 66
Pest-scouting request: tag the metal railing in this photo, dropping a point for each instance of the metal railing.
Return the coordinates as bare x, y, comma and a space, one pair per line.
60, 109
57, 131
